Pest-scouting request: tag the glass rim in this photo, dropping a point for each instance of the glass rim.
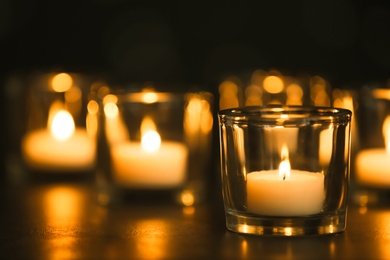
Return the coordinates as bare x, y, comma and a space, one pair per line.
285, 114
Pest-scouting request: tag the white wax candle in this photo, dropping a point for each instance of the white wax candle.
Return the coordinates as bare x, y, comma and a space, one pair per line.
42, 151
136, 167
301, 194
373, 168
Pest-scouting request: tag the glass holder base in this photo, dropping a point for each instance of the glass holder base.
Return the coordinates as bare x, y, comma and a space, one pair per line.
286, 226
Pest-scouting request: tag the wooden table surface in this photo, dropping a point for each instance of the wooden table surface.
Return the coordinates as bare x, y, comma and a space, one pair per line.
63, 221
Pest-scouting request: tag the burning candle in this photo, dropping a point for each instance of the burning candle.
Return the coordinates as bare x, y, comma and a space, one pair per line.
151, 163
61, 147
285, 192
372, 165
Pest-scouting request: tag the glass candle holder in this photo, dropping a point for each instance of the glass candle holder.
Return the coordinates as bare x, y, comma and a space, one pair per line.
152, 145
285, 169
372, 161
56, 141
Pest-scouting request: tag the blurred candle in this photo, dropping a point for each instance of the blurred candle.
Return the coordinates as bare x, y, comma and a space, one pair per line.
372, 165
59, 148
149, 164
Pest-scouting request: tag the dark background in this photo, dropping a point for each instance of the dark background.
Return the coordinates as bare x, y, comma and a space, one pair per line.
185, 43
347, 42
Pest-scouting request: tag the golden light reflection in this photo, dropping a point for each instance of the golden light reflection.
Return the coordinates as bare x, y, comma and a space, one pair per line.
152, 242
273, 84
244, 248
63, 206
189, 210
61, 82
363, 210
382, 221
63, 209
63, 248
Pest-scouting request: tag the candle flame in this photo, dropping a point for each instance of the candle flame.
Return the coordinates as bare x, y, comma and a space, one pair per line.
151, 140
284, 166
62, 126
386, 133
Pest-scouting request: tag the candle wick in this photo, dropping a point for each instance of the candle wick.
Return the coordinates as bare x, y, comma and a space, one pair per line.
284, 176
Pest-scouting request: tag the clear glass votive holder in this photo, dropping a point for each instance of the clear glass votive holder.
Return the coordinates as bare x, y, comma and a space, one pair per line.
285, 169
152, 146
56, 142
371, 165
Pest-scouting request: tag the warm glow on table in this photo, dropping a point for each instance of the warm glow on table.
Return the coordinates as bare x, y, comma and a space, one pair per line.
285, 192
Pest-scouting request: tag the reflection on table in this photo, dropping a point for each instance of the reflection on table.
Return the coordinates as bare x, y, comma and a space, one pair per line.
63, 221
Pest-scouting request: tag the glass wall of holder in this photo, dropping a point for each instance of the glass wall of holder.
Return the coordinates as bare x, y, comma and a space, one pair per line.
372, 162
151, 144
56, 141
285, 169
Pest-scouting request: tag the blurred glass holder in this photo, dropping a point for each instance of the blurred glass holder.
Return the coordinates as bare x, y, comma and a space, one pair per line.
372, 163
56, 142
151, 145
285, 169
